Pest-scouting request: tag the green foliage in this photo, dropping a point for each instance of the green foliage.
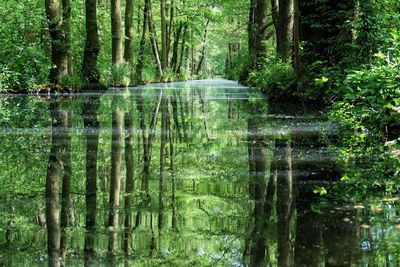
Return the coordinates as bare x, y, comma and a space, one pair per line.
24, 55
275, 78
119, 75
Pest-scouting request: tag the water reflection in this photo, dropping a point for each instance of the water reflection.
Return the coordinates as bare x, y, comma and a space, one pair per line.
202, 173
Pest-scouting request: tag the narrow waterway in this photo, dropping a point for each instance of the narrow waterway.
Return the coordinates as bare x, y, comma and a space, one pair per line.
199, 173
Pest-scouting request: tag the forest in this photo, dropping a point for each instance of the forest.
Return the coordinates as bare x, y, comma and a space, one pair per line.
205, 133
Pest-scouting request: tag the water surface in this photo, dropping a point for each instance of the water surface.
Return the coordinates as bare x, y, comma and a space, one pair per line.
227, 180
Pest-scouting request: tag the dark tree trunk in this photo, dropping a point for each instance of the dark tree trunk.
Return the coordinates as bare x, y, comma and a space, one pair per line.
142, 46
184, 50
203, 49
116, 31
164, 36
174, 60
90, 72
66, 14
285, 29
59, 45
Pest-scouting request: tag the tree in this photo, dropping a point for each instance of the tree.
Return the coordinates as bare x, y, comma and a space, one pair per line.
90, 72
59, 40
116, 31
284, 29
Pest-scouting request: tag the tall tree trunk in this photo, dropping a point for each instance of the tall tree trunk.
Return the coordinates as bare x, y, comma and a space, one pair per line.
203, 49
184, 50
174, 60
154, 42
59, 46
130, 179
129, 36
115, 178
142, 46
116, 31
90, 72
285, 29
296, 44
257, 33
164, 36
170, 29
66, 14
53, 181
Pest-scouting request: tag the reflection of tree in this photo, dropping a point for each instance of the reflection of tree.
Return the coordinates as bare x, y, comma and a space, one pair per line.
59, 149
130, 179
92, 128
115, 177
285, 201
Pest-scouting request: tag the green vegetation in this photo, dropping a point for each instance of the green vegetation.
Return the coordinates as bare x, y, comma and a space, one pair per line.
236, 175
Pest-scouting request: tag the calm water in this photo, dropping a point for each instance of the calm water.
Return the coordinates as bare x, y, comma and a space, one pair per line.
219, 179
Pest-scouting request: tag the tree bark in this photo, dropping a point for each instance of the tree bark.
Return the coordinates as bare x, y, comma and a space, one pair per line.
154, 42
129, 36
59, 45
116, 31
296, 44
174, 59
203, 49
66, 14
285, 29
142, 46
90, 72
164, 36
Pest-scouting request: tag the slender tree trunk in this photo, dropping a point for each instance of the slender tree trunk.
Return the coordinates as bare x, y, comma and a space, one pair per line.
90, 72
116, 31
66, 14
115, 181
296, 44
130, 179
164, 36
142, 46
129, 36
170, 29
154, 42
174, 60
184, 50
53, 181
59, 46
203, 49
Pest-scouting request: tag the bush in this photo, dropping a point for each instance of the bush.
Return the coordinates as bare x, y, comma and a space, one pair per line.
276, 79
